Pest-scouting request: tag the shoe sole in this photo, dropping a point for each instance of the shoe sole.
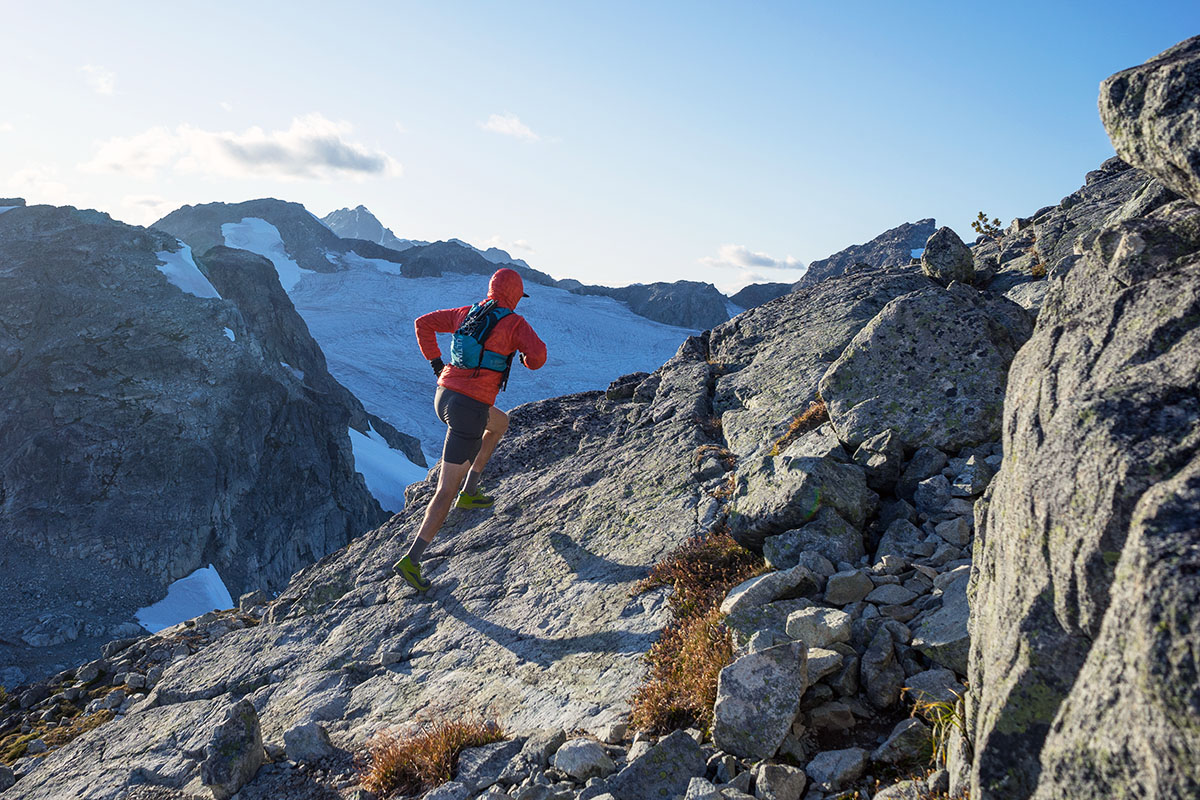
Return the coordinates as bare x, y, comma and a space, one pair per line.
471, 504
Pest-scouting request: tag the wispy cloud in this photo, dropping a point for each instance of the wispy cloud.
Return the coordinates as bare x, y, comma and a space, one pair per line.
515, 247
226, 105
6, 127
509, 124
39, 183
101, 80
143, 209
736, 256
313, 148
400, 128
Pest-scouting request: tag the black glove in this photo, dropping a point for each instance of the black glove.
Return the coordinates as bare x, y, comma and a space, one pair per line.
522, 357
438, 365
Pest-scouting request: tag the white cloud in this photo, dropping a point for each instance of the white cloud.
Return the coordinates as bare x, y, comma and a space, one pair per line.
508, 124
143, 209
400, 128
38, 183
736, 256
6, 127
313, 148
226, 105
101, 80
514, 248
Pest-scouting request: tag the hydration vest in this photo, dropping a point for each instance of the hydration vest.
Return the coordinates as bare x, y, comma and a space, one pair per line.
467, 346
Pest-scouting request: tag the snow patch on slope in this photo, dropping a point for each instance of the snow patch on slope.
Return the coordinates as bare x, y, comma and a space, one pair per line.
181, 271
363, 320
387, 472
230, 335
189, 597
7, 208
259, 236
353, 259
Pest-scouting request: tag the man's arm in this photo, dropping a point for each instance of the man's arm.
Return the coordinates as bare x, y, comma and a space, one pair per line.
430, 325
533, 349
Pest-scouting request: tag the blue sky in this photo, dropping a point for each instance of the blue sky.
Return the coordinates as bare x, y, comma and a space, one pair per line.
612, 142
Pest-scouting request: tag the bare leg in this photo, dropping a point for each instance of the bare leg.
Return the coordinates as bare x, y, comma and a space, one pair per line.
449, 479
497, 424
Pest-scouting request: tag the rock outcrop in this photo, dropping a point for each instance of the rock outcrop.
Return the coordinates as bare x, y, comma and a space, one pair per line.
1082, 659
145, 431
686, 304
360, 223
892, 248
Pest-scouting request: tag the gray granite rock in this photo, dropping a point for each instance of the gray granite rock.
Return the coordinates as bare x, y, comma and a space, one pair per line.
947, 259
779, 782
819, 627
307, 742
882, 677
909, 742
661, 773
234, 752
828, 536
781, 584
837, 769
931, 366
847, 587
758, 696
1152, 115
779, 493
943, 635
583, 759
882, 457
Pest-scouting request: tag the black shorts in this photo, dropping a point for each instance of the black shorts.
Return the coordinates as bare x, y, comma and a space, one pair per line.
466, 419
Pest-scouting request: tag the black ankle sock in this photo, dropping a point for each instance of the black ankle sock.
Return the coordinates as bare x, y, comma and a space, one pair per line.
473, 479
417, 548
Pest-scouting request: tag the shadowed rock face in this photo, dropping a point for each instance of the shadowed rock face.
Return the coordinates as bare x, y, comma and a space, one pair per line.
686, 304
251, 282
1083, 652
138, 442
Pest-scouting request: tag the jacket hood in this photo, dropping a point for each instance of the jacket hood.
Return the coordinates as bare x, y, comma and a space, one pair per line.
506, 288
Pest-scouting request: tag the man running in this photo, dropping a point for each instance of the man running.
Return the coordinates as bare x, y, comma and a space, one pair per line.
486, 336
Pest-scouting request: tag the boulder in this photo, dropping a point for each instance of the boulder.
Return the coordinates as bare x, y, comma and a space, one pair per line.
902, 539
937, 685
925, 463
451, 790
881, 457
758, 696
847, 587
1152, 114
1083, 566
819, 627
956, 531
904, 790
767, 622
661, 773
779, 493
882, 677
943, 635
701, 789
778, 782
307, 742
583, 759
781, 584
947, 259
234, 752
931, 366
820, 442
833, 770
829, 536
910, 741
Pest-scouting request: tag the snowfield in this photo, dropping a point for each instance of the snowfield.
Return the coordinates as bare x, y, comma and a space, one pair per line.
387, 472
181, 271
259, 236
363, 317
363, 320
189, 597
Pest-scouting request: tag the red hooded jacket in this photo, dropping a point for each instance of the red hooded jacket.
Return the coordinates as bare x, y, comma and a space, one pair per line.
511, 334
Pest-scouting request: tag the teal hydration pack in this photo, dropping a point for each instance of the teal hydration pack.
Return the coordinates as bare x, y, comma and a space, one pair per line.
467, 346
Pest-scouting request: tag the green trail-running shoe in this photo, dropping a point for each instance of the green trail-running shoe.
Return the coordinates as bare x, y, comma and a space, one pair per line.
411, 572
477, 500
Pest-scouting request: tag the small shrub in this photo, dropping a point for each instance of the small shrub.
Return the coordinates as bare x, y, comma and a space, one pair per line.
681, 684
1038, 270
702, 571
811, 418
683, 665
417, 762
985, 228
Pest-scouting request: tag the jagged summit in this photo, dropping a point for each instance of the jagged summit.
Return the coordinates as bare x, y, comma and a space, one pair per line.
360, 223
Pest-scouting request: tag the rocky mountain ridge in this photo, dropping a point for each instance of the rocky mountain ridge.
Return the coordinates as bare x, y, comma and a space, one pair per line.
121, 364
1054, 568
